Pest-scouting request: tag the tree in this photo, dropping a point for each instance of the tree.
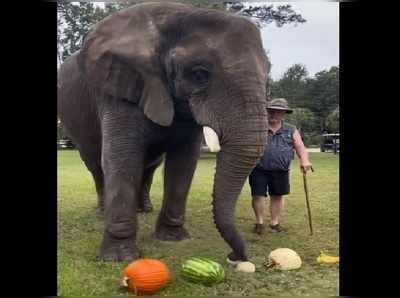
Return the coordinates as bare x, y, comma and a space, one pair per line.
263, 14
75, 21
302, 118
266, 14
197, 3
324, 94
292, 85
332, 121
59, 44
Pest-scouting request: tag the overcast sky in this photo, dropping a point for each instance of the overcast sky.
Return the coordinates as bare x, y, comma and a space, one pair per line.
314, 43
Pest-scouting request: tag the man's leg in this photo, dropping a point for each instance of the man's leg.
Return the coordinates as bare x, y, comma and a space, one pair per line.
259, 206
278, 189
276, 206
258, 185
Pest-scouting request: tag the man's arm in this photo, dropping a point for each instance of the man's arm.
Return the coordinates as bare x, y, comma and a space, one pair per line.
301, 152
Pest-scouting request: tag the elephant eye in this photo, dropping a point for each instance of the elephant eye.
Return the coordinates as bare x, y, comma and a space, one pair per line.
199, 76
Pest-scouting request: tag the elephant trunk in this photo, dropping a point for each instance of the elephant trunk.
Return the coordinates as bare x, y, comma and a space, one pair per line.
239, 154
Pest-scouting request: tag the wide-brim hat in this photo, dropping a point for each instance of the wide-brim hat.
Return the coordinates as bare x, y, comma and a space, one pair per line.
279, 104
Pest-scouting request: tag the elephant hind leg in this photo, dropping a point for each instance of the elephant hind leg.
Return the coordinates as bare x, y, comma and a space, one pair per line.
98, 178
144, 203
91, 156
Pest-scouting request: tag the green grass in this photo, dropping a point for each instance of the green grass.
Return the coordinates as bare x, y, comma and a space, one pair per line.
80, 233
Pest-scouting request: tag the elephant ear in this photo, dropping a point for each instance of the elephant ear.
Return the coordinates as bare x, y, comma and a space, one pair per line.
119, 58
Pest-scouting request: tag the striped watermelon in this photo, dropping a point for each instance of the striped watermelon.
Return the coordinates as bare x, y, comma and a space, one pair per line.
203, 271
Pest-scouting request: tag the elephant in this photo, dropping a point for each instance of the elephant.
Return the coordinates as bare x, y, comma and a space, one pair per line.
147, 83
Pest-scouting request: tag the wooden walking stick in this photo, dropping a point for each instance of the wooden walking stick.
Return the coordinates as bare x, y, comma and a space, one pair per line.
307, 200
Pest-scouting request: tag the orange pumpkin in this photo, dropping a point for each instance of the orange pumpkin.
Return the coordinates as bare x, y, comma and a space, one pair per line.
146, 276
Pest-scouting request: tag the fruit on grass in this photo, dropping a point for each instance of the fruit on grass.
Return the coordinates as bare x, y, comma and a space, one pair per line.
323, 258
202, 270
146, 276
246, 267
283, 259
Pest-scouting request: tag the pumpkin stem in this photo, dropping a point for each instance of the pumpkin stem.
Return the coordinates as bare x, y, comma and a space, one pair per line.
124, 282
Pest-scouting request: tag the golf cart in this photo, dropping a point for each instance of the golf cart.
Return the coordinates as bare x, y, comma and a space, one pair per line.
330, 142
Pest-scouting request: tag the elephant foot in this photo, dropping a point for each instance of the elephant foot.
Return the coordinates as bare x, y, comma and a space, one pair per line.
234, 259
171, 233
118, 250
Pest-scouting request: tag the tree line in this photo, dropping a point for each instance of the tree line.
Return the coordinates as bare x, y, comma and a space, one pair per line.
315, 100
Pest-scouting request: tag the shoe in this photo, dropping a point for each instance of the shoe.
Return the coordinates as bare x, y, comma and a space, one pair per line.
259, 228
277, 228
233, 259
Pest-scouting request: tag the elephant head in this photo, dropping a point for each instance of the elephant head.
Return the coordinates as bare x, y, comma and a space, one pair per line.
178, 62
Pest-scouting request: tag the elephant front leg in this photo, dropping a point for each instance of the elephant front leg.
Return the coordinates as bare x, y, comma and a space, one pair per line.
180, 165
119, 236
122, 161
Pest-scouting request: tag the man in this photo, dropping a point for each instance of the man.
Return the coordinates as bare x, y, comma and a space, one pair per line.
271, 174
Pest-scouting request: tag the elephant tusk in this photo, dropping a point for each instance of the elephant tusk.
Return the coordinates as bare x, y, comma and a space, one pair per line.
211, 138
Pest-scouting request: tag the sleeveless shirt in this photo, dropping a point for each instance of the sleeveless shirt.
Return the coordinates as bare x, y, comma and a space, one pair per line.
279, 150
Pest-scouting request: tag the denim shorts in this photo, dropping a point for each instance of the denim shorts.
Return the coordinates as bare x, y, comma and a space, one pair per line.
264, 183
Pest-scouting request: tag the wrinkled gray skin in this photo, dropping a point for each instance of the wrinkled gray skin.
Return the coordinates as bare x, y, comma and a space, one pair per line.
145, 82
